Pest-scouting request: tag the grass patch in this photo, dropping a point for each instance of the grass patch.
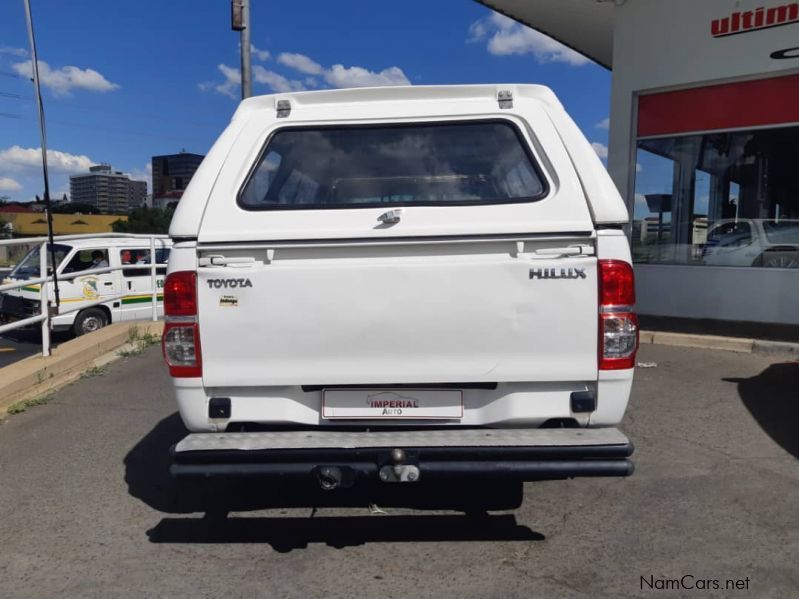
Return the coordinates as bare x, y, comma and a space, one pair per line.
94, 371
22, 406
138, 342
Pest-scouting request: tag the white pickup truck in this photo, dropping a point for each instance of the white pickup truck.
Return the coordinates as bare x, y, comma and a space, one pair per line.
401, 284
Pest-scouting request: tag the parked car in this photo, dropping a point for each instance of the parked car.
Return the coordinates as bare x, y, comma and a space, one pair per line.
401, 284
82, 309
753, 242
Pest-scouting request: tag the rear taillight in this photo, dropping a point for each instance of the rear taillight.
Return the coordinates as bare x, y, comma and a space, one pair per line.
181, 344
181, 340
180, 294
616, 284
618, 324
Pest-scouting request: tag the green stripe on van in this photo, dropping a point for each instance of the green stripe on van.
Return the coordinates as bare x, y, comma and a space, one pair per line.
141, 299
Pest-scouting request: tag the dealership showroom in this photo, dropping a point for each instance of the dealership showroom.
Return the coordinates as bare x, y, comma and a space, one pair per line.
703, 147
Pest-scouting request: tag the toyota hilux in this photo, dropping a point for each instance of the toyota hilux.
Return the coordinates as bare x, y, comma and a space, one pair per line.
401, 284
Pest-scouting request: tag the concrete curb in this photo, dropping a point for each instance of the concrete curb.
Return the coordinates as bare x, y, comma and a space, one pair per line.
36, 376
736, 344
776, 347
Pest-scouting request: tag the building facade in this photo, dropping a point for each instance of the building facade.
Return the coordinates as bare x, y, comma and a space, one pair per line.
704, 143
172, 173
111, 192
28, 224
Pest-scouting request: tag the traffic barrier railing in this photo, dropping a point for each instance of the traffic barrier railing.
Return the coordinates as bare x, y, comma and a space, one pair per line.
45, 315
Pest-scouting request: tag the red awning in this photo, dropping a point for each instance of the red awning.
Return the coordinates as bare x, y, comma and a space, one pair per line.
740, 105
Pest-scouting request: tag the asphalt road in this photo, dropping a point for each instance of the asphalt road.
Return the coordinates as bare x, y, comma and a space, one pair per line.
19, 344
87, 508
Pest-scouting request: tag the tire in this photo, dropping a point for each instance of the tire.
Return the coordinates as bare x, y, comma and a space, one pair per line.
89, 320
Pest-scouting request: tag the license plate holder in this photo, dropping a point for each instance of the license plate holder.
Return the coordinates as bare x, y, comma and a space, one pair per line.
392, 404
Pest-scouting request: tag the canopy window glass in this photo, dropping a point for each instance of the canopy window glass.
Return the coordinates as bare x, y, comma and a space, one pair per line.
483, 162
722, 198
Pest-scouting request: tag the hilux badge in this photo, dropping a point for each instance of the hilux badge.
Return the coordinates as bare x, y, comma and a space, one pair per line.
557, 273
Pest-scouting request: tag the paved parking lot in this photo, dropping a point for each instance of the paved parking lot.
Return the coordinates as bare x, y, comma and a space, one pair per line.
88, 509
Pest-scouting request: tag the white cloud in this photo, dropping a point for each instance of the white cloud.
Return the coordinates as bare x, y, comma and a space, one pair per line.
230, 86
143, 174
20, 52
340, 76
640, 207
276, 82
64, 80
336, 76
638, 167
505, 37
600, 149
259, 54
8, 184
603, 124
301, 63
478, 31
16, 158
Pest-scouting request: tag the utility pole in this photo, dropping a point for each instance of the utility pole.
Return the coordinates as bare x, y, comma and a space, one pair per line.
43, 134
240, 21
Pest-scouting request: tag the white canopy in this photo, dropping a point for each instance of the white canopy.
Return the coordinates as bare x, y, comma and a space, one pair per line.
584, 25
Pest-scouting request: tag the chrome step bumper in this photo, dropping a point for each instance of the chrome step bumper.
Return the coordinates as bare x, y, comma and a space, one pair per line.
521, 454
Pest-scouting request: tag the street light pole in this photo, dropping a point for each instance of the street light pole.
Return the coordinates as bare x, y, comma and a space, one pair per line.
240, 21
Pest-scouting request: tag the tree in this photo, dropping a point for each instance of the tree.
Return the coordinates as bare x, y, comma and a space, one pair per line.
145, 220
75, 208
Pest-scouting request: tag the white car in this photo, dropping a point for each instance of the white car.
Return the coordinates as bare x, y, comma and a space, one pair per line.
401, 284
753, 242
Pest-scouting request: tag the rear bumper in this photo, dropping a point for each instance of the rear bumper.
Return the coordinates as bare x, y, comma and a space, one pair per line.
518, 454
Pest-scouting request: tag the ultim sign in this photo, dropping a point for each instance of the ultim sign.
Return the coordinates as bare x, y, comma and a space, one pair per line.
752, 20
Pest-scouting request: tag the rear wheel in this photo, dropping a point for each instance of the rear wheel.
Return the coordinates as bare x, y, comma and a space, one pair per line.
89, 320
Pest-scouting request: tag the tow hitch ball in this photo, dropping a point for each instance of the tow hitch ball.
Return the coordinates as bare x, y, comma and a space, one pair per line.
396, 471
399, 471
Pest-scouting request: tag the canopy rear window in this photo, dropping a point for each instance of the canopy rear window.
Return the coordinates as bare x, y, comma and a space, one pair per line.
439, 164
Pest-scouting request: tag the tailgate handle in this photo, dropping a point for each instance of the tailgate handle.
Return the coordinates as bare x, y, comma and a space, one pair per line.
222, 261
572, 250
392, 217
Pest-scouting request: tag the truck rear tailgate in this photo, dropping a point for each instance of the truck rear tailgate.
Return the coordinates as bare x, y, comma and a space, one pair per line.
425, 311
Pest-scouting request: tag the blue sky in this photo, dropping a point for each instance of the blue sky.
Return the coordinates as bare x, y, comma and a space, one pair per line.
127, 80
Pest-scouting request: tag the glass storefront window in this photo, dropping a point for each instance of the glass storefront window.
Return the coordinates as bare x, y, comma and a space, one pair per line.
722, 199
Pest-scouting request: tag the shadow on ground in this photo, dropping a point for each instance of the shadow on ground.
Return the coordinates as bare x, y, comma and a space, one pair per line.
772, 397
33, 336
148, 479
